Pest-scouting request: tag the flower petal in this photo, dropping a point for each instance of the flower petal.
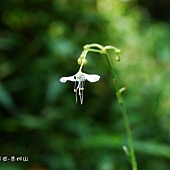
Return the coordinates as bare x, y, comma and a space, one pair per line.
64, 79
92, 77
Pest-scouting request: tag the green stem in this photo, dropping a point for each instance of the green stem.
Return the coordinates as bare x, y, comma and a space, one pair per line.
94, 50
88, 46
103, 50
84, 53
124, 113
109, 47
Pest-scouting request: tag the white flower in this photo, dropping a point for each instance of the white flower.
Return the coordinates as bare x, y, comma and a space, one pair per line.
79, 79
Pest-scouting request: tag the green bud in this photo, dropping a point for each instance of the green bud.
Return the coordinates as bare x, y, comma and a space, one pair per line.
117, 58
82, 56
117, 51
80, 60
85, 62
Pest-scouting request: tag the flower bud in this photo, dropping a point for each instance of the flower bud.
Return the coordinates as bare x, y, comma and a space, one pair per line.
117, 58
80, 60
82, 56
85, 61
117, 51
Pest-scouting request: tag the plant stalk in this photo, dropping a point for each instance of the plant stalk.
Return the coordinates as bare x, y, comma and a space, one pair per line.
103, 50
124, 114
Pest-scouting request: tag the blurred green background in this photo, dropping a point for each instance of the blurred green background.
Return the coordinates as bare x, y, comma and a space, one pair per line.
40, 41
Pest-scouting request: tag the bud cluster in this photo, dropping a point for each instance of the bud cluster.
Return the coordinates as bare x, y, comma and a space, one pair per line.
82, 60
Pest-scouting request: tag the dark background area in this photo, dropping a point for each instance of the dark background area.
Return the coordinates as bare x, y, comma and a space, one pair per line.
40, 41
159, 10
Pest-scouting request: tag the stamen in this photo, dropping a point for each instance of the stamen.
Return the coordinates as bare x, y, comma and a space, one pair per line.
76, 96
75, 88
81, 99
79, 85
81, 96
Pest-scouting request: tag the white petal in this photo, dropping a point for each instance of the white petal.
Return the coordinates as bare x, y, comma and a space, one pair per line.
64, 79
92, 77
